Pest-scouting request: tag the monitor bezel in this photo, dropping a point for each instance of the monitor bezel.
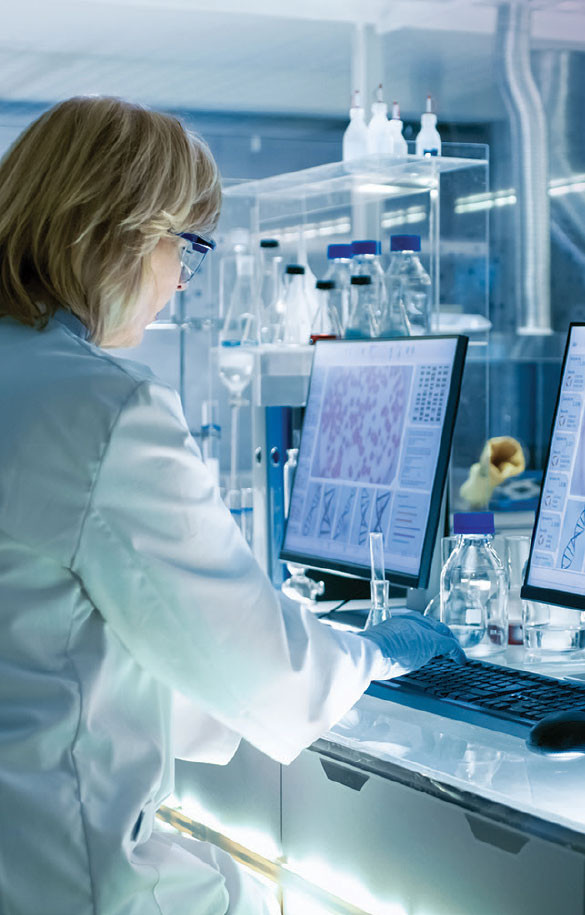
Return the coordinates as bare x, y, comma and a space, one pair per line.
420, 580
536, 592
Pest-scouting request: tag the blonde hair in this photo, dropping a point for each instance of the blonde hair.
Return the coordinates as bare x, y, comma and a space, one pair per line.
86, 192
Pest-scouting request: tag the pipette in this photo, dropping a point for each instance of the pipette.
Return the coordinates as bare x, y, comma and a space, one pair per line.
378, 585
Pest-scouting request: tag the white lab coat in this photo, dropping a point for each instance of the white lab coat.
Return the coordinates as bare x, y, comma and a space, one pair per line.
123, 579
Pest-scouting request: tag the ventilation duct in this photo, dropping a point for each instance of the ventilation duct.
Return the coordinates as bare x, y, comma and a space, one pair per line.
530, 163
560, 74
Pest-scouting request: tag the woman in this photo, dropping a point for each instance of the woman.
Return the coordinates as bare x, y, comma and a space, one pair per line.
122, 577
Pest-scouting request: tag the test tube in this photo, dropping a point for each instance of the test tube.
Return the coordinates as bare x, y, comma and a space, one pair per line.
378, 584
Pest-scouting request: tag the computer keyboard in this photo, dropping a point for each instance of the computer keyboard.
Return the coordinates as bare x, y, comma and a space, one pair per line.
499, 698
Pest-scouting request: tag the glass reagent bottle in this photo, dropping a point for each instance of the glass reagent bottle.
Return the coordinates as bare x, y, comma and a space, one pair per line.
408, 285
361, 305
474, 587
367, 262
326, 322
298, 315
339, 272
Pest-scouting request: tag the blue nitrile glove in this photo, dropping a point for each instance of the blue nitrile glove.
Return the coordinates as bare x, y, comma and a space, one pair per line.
410, 640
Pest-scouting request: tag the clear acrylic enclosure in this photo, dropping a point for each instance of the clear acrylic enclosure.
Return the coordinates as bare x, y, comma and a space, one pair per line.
441, 199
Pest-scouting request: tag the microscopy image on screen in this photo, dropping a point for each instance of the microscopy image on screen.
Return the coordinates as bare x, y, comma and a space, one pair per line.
373, 434
349, 447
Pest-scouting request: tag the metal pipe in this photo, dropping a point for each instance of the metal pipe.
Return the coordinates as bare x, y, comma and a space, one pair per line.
530, 160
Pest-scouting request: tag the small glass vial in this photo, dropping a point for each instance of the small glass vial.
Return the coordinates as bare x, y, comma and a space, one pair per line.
474, 587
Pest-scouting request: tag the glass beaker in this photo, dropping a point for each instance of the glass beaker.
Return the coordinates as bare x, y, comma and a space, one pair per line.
516, 549
552, 633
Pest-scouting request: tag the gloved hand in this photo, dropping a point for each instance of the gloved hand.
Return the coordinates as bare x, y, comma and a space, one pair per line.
410, 640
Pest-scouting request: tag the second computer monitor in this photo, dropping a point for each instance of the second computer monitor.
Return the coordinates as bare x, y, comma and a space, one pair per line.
374, 453
556, 568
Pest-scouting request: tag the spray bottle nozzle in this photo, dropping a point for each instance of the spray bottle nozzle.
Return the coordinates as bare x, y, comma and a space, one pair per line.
429, 104
379, 93
395, 111
355, 99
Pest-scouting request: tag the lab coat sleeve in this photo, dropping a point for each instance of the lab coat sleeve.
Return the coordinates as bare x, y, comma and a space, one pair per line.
164, 563
197, 736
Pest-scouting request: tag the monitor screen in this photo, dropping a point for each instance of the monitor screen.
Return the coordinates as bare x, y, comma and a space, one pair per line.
556, 568
373, 455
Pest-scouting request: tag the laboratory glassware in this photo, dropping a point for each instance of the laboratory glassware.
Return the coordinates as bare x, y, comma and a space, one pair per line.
378, 126
299, 586
366, 261
238, 342
326, 322
448, 544
355, 138
270, 291
339, 271
428, 141
515, 550
474, 587
297, 317
379, 586
362, 304
397, 145
408, 286
210, 436
552, 633
247, 514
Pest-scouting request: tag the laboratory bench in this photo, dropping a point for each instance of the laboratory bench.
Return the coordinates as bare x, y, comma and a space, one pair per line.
401, 812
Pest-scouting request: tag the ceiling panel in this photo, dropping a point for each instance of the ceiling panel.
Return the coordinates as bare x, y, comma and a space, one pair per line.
211, 56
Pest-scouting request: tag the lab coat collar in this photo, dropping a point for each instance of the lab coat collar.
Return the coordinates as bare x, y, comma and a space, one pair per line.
72, 323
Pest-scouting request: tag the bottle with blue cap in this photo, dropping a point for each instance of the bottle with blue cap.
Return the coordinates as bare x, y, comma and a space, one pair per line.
408, 285
474, 587
366, 261
339, 272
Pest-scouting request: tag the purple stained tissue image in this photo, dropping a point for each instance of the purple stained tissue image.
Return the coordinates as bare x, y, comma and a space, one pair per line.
362, 421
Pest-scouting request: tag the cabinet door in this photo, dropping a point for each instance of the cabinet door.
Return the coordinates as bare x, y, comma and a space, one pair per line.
240, 800
401, 847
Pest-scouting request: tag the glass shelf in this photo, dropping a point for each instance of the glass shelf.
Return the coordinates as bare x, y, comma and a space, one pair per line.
371, 177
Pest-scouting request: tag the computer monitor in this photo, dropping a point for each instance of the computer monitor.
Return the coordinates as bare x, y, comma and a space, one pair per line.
555, 572
373, 455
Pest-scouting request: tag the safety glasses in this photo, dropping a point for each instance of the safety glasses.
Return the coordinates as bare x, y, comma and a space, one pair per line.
192, 255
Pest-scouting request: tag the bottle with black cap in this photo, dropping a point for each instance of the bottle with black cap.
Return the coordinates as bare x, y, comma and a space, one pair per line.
270, 283
362, 305
326, 321
298, 315
339, 270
